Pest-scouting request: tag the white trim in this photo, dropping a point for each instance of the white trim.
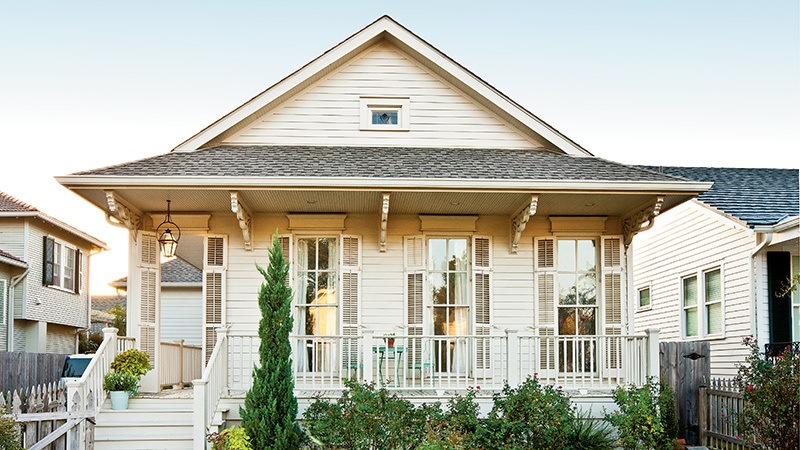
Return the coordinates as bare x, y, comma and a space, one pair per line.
702, 305
13, 262
649, 306
61, 265
367, 105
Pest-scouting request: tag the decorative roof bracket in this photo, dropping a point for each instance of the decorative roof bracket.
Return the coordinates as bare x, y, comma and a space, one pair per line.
520, 220
641, 221
384, 219
128, 216
245, 219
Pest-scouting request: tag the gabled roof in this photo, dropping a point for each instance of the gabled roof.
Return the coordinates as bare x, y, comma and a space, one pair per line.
755, 196
384, 28
12, 207
175, 272
8, 258
105, 303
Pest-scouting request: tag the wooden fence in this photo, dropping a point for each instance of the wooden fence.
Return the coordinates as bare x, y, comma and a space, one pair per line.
180, 364
685, 367
20, 370
720, 405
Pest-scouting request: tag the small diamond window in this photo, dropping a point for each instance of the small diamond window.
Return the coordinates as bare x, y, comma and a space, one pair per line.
384, 117
384, 113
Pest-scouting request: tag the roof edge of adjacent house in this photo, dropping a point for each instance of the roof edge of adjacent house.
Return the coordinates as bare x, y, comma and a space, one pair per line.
13, 262
58, 223
384, 25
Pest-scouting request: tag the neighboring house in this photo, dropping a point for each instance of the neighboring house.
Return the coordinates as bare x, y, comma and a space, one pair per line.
411, 198
181, 301
44, 267
101, 305
712, 268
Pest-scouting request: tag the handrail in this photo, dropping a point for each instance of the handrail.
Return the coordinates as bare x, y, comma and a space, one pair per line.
209, 388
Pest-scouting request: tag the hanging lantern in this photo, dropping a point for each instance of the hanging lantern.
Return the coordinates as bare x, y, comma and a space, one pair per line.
167, 239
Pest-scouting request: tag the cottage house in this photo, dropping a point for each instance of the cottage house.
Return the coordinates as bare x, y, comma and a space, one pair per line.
713, 268
44, 266
440, 235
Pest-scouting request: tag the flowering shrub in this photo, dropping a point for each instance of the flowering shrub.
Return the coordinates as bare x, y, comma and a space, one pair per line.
646, 417
771, 390
235, 438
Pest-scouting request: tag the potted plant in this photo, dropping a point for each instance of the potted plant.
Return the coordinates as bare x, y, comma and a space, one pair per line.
389, 338
120, 385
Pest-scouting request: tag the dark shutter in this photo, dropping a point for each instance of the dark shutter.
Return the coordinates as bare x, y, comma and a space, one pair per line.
780, 308
78, 266
49, 255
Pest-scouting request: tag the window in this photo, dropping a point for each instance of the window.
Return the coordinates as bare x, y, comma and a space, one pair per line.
644, 298
702, 304
577, 287
450, 297
384, 113
795, 301
62, 265
317, 274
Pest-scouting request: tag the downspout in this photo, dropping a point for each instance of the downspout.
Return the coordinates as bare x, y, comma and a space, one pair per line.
10, 309
753, 293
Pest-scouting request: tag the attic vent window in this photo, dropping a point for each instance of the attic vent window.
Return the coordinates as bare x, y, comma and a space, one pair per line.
384, 113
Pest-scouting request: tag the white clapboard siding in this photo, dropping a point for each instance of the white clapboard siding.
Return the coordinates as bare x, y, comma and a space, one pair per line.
327, 113
182, 315
685, 241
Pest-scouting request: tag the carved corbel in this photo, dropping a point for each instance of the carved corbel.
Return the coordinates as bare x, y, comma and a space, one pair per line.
520, 220
384, 220
641, 221
127, 215
245, 219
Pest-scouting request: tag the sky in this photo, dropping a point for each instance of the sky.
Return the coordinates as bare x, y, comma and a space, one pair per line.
86, 84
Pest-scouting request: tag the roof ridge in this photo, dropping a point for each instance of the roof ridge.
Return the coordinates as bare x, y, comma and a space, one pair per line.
10, 198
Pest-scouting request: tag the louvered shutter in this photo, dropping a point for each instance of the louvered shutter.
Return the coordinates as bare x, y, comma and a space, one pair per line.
351, 282
78, 270
149, 281
612, 298
286, 249
48, 259
545, 273
214, 271
482, 288
414, 265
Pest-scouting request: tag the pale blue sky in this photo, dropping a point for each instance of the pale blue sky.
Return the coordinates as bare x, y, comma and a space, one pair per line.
89, 83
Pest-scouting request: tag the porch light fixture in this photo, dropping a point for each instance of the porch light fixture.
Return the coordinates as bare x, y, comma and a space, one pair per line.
167, 239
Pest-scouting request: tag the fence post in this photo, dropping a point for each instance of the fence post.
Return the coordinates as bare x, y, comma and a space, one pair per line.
366, 355
513, 358
653, 354
180, 363
702, 416
199, 425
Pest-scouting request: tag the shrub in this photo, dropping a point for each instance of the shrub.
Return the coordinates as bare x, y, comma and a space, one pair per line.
530, 416
586, 433
120, 321
10, 438
89, 343
234, 438
132, 361
457, 428
120, 381
771, 390
641, 419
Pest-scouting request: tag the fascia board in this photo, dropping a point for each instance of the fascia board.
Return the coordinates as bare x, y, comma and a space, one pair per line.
13, 262
705, 208
362, 183
64, 226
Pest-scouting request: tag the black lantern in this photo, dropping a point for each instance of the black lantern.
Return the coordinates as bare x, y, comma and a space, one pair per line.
166, 238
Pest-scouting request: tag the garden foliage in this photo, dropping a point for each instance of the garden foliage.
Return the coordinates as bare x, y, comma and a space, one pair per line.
134, 362
270, 406
234, 438
10, 438
646, 418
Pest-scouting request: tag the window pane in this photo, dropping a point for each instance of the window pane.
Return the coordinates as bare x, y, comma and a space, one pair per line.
713, 286
691, 322
457, 254
567, 294
384, 117
438, 288
690, 291
714, 319
566, 321
308, 253
320, 321
437, 249
587, 289
326, 292
308, 287
459, 293
587, 255
586, 322
566, 255
644, 297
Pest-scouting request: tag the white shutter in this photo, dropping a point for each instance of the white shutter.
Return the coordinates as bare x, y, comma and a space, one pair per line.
149, 282
612, 298
286, 249
545, 278
215, 264
351, 282
414, 265
482, 289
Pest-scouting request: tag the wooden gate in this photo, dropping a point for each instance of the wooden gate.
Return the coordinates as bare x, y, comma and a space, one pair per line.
685, 366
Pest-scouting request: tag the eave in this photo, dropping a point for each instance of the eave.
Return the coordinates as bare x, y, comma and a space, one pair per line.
57, 223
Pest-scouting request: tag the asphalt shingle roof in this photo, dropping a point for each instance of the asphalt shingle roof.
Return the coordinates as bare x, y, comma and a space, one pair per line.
12, 204
106, 302
175, 271
756, 196
10, 256
380, 162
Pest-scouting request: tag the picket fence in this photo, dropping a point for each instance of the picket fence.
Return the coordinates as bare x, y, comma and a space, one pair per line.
720, 405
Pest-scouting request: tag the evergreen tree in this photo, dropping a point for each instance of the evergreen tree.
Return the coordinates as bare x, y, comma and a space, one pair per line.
270, 406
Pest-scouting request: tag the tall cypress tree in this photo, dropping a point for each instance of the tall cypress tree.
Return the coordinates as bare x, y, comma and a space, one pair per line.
270, 406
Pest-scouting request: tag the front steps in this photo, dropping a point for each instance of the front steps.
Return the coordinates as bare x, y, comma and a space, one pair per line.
148, 423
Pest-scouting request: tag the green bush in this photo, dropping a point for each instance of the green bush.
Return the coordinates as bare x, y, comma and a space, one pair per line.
645, 417
89, 343
10, 438
120, 381
234, 438
586, 433
457, 428
771, 390
132, 361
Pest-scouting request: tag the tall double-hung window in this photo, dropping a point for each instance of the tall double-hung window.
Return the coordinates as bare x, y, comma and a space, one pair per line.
702, 303
317, 275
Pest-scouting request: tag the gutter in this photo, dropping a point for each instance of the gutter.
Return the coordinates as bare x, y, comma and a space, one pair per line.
753, 294
10, 311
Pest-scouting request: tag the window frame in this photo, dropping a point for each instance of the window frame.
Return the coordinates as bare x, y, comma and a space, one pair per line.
599, 300
369, 104
295, 270
61, 250
649, 305
702, 304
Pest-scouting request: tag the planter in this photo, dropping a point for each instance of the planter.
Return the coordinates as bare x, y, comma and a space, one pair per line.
119, 400
390, 343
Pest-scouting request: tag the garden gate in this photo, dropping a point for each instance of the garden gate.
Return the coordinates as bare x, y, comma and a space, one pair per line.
685, 367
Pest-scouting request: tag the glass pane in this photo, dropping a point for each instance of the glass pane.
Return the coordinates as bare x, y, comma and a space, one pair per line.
326, 289
320, 321
384, 117
459, 294
796, 322
691, 322
457, 254
587, 289
644, 297
714, 319
70, 263
459, 321
690, 291
566, 321
439, 321
308, 287
586, 321
437, 249
566, 256
323, 261
713, 286
438, 288
308, 254
587, 255
566, 289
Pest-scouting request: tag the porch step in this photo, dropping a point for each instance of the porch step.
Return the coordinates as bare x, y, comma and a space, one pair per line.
149, 423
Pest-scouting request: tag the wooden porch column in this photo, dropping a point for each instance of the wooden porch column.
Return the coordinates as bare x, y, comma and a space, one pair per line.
513, 358
653, 359
366, 355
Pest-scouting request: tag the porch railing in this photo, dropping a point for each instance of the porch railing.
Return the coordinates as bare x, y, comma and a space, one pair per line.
455, 362
125, 343
180, 363
210, 388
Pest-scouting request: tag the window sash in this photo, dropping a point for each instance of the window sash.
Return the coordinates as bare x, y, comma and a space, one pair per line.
65, 259
690, 313
644, 297
712, 283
